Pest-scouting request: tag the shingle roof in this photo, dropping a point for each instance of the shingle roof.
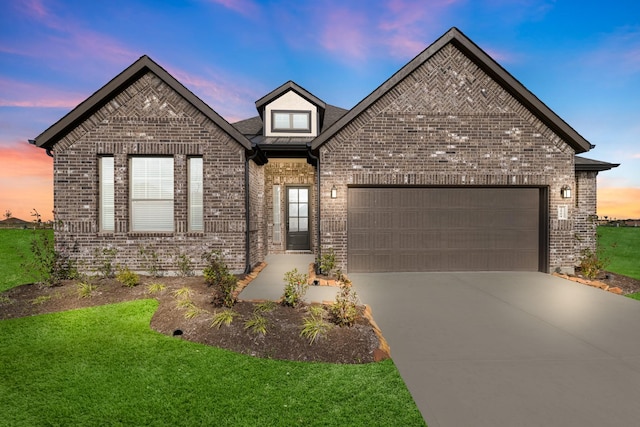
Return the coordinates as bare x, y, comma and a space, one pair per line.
486, 63
584, 164
143, 65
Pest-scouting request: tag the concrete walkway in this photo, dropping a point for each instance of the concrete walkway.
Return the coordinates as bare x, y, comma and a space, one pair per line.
510, 349
269, 284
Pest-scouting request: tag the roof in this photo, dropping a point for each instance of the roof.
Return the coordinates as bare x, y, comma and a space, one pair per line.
584, 164
53, 134
488, 65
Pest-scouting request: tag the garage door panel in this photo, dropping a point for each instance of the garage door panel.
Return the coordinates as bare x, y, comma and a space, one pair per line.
443, 229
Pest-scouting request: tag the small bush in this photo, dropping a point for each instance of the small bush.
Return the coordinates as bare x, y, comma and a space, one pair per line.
217, 274
155, 288
185, 265
127, 277
106, 257
591, 265
85, 290
295, 288
327, 262
345, 308
224, 317
48, 264
257, 324
151, 261
314, 325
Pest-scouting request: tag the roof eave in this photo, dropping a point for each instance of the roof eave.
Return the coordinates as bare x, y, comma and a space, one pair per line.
85, 109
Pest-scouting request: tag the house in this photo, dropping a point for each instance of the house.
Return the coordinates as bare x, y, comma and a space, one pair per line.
449, 165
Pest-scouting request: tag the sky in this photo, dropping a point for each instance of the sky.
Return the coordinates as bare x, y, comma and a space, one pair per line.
580, 57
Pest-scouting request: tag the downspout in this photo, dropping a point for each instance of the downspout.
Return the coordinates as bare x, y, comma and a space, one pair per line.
247, 246
317, 159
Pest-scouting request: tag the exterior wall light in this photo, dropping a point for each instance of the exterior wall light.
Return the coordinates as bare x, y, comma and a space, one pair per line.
334, 192
565, 192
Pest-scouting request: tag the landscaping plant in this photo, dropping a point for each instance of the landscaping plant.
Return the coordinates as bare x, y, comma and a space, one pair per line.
151, 261
314, 325
295, 288
106, 258
127, 277
327, 262
217, 274
223, 317
85, 290
257, 324
185, 265
345, 308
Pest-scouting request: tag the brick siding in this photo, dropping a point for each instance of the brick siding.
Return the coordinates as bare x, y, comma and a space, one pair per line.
447, 123
149, 118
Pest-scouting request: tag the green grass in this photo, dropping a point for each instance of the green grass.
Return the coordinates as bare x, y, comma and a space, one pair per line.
14, 252
105, 366
622, 246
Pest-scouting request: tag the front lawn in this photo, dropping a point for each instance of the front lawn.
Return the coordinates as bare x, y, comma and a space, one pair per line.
621, 245
15, 250
105, 366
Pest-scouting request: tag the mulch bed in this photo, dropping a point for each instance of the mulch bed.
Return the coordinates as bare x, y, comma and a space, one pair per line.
608, 281
357, 344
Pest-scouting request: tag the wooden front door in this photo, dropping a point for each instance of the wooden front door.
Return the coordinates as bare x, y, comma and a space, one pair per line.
298, 218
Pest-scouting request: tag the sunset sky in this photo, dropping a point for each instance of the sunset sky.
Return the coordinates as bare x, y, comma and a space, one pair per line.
581, 58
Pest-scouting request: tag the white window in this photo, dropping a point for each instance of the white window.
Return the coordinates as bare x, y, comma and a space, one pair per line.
291, 121
276, 215
196, 211
107, 193
152, 194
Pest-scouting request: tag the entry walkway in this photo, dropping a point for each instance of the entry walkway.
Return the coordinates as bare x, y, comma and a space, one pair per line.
510, 349
269, 284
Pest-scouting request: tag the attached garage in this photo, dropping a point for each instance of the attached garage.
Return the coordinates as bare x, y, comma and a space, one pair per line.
447, 229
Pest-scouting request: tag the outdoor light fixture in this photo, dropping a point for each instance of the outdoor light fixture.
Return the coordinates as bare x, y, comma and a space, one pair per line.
565, 192
334, 192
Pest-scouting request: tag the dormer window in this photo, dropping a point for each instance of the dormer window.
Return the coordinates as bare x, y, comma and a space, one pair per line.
290, 121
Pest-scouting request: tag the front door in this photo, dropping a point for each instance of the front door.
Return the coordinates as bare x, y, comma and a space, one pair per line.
298, 218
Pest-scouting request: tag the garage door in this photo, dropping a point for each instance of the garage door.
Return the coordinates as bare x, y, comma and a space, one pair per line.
444, 229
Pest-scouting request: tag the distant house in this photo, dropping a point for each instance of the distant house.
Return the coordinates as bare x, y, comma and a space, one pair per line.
12, 222
450, 165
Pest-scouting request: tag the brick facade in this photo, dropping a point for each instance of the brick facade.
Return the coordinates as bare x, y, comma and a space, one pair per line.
447, 123
149, 118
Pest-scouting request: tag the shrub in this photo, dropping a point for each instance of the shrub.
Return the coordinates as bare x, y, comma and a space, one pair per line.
345, 308
106, 257
151, 261
314, 325
48, 264
217, 274
591, 265
257, 324
185, 265
295, 288
128, 277
85, 290
192, 311
327, 262
224, 317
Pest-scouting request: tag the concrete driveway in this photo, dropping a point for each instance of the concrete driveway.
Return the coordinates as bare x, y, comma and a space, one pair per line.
510, 349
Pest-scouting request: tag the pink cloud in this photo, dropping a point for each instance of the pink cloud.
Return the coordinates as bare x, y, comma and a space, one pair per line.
20, 94
345, 32
72, 40
228, 96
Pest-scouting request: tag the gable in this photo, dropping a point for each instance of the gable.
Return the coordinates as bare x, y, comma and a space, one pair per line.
453, 85
119, 91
